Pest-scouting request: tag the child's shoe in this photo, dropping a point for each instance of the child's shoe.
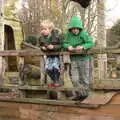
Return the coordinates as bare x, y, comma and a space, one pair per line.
57, 85
50, 85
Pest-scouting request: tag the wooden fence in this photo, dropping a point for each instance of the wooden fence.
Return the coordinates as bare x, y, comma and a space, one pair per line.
97, 84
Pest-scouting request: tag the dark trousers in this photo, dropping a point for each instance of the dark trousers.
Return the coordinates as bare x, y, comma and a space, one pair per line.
54, 74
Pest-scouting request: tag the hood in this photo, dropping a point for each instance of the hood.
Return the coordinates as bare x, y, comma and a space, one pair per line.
75, 22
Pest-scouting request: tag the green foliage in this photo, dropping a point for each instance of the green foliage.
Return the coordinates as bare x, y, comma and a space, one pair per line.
114, 35
54, 8
31, 39
116, 28
9, 8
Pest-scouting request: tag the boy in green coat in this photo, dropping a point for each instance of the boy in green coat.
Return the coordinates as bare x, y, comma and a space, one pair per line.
76, 39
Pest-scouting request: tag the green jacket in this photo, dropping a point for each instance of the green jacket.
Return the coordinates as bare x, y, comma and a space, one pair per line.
54, 39
82, 39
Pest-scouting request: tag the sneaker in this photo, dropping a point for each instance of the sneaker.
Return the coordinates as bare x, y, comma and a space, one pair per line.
75, 98
56, 85
83, 97
79, 98
50, 85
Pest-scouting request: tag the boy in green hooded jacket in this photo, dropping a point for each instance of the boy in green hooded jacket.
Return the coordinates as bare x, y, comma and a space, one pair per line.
76, 39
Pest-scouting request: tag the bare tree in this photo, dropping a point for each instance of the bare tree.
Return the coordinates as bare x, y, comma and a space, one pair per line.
59, 11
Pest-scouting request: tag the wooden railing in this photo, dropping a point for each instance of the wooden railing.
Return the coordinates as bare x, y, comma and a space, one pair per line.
25, 53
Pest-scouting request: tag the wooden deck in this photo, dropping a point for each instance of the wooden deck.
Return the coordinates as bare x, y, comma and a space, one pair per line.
99, 106
39, 109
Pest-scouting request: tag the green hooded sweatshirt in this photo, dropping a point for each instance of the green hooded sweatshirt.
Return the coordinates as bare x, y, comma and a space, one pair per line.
81, 39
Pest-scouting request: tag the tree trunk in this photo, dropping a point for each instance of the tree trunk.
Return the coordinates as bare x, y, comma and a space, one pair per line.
101, 37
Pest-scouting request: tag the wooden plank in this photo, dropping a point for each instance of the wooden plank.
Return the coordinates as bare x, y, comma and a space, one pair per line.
42, 71
50, 102
21, 72
39, 109
26, 111
2, 41
38, 53
50, 88
99, 98
30, 46
107, 84
61, 70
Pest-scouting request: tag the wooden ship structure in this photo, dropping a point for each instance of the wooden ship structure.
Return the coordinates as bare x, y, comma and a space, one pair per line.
35, 101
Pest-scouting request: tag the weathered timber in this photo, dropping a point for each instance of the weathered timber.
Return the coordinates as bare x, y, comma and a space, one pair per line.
66, 59
94, 101
27, 111
107, 84
60, 93
50, 88
42, 70
25, 45
34, 60
38, 53
62, 72
51, 102
22, 76
2, 42
31, 71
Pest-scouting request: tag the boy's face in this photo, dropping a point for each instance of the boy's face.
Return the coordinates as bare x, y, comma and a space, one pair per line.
75, 31
46, 31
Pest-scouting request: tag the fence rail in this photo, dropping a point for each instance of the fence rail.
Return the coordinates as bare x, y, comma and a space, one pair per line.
39, 53
21, 54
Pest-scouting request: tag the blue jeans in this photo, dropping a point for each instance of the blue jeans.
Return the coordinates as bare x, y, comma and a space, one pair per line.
52, 66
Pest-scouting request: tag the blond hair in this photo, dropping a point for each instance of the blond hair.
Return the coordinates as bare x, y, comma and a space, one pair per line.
47, 23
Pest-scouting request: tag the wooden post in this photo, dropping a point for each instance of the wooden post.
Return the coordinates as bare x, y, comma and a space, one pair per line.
66, 62
118, 66
21, 73
42, 70
62, 70
22, 78
1, 40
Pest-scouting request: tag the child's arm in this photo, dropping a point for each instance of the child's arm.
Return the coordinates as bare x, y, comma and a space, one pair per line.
58, 45
42, 44
66, 44
88, 41
54, 47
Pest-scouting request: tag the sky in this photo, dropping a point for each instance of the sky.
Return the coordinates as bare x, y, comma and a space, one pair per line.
112, 12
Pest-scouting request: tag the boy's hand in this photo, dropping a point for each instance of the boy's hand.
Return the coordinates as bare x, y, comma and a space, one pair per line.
50, 47
44, 48
79, 48
70, 48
